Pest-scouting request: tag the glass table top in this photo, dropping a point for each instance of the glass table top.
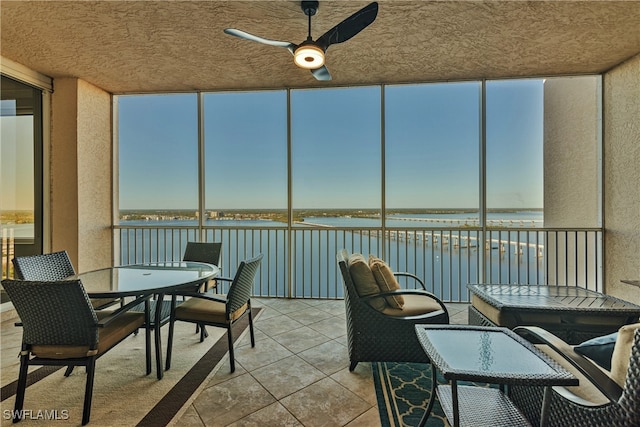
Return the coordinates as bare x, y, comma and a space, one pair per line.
145, 278
483, 353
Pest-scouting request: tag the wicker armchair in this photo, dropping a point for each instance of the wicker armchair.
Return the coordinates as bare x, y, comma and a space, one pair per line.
618, 406
206, 309
52, 266
61, 328
386, 336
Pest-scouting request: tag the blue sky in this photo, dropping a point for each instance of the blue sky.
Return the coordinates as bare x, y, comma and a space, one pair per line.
431, 135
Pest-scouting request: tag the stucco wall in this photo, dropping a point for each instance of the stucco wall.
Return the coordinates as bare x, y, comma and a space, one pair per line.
621, 152
571, 152
63, 166
571, 175
94, 177
81, 177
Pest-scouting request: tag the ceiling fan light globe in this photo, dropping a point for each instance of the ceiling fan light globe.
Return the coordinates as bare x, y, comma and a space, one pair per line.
309, 57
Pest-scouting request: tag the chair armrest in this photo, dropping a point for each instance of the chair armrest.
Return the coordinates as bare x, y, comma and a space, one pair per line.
413, 276
593, 374
203, 296
123, 309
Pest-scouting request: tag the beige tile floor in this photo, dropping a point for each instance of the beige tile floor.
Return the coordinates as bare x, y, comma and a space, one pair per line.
300, 376
296, 376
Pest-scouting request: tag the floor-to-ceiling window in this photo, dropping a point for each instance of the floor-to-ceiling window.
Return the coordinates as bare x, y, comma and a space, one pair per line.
158, 169
336, 177
514, 179
21, 203
432, 166
452, 181
245, 180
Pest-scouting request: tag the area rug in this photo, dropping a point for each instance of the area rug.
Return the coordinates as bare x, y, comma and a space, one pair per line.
403, 391
123, 395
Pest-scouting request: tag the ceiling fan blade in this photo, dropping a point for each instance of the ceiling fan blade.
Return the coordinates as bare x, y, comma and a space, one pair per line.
321, 73
244, 35
350, 26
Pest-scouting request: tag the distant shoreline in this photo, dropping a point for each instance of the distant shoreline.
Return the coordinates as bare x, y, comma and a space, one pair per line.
299, 215
354, 212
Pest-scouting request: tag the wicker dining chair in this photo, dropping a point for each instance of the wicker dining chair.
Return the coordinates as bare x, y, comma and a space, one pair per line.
61, 328
209, 253
619, 408
50, 267
197, 252
217, 310
382, 335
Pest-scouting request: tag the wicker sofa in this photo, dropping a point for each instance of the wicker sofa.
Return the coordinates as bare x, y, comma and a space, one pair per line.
383, 333
607, 398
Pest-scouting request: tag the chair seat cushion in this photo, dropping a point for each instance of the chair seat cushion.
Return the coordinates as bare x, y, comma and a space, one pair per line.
126, 324
414, 305
206, 311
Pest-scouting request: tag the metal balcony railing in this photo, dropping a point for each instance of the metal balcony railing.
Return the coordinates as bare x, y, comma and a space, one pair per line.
300, 262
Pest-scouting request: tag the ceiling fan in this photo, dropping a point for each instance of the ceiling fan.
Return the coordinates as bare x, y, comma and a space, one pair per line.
310, 54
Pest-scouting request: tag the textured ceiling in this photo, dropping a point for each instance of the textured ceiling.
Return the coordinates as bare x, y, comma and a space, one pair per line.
150, 46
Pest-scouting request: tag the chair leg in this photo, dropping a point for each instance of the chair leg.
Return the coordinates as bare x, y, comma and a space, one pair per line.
253, 337
353, 365
147, 341
88, 392
68, 371
22, 386
203, 333
172, 321
232, 359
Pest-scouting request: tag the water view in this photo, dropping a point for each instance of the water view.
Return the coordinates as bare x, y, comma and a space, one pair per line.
440, 247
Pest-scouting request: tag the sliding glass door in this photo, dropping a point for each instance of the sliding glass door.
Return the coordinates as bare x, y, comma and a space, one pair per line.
20, 170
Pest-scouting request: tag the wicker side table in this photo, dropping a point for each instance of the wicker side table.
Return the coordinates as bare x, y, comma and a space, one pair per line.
490, 355
573, 314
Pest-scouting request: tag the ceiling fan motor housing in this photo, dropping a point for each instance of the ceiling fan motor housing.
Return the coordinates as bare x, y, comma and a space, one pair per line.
309, 7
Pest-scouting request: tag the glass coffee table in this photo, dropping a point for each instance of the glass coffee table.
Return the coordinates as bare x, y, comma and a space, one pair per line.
488, 355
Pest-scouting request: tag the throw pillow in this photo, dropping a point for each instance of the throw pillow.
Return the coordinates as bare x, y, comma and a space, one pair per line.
386, 281
364, 281
599, 349
622, 353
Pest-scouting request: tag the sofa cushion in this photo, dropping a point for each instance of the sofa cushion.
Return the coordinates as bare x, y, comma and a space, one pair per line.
364, 281
599, 349
622, 353
386, 281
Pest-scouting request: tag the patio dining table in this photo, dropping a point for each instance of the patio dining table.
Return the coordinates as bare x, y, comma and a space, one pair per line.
156, 279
